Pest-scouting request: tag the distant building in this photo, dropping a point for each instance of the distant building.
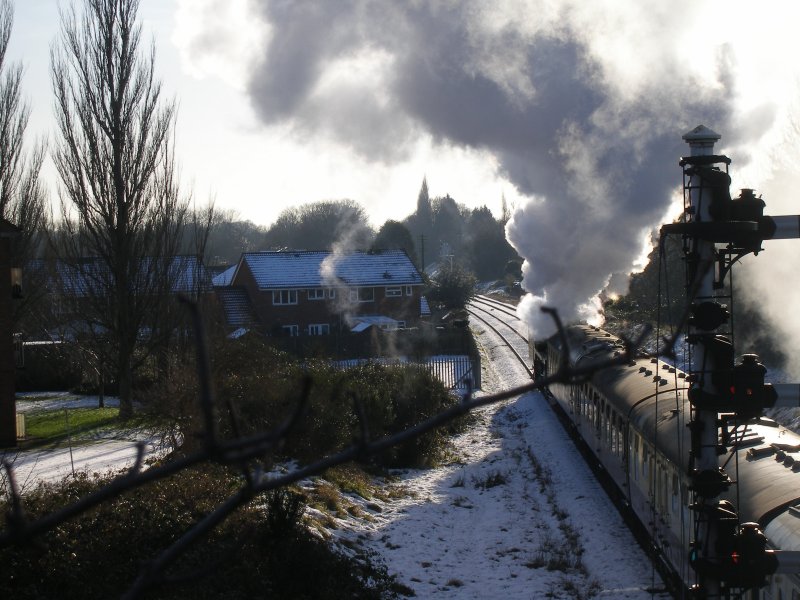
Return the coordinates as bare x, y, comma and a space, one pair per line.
74, 294
316, 293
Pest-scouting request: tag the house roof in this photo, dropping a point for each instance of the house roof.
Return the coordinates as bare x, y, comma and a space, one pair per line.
362, 323
91, 275
236, 306
424, 307
224, 278
310, 269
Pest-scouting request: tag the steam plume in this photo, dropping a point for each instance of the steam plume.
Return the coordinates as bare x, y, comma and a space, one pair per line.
580, 105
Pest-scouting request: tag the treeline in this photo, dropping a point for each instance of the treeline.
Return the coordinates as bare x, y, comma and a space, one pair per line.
657, 296
439, 229
104, 274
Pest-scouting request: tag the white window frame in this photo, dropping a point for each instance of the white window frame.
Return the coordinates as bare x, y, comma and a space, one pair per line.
357, 294
319, 329
284, 297
394, 291
316, 294
409, 290
293, 330
331, 293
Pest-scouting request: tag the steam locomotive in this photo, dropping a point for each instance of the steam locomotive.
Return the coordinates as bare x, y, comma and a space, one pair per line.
633, 419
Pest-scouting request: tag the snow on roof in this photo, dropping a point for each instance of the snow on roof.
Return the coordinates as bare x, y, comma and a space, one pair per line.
272, 270
92, 276
424, 307
224, 278
362, 323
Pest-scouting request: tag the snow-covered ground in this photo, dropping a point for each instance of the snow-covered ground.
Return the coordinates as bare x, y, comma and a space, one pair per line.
108, 450
518, 516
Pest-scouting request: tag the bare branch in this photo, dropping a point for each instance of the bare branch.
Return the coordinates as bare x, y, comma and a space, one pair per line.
240, 451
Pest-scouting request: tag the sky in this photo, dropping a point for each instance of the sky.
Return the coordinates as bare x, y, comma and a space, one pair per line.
228, 151
573, 111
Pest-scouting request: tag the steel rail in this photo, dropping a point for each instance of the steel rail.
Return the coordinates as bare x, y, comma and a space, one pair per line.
508, 309
505, 340
524, 338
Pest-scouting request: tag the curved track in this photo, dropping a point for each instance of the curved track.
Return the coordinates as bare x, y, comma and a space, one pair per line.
498, 315
494, 314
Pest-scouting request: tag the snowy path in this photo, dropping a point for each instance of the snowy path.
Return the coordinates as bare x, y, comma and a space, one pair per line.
521, 516
109, 449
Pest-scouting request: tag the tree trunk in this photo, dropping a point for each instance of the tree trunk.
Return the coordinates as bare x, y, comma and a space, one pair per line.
125, 382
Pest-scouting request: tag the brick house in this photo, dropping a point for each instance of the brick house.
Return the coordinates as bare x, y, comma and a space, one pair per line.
295, 293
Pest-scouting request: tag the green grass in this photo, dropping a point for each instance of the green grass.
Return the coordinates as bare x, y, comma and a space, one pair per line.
50, 427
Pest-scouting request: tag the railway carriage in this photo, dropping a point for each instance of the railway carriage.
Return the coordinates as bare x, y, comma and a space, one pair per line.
633, 419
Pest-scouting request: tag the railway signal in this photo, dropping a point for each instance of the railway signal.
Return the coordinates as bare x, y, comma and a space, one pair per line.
718, 230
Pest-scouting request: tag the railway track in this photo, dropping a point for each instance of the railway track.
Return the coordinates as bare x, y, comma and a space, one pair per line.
501, 317
496, 315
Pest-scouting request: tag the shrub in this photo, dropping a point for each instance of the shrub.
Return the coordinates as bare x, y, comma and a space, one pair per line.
452, 286
263, 387
49, 367
99, 553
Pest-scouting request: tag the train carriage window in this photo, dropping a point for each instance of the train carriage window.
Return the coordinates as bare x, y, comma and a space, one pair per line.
644, 460
658, 489
675, 492
598, 411
657, 486
624, 433
613, 426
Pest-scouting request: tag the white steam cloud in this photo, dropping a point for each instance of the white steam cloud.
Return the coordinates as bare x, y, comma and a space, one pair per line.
580, 104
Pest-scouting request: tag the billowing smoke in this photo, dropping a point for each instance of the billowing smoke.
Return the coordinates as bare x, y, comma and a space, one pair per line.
581, 105
536, 84
348, 240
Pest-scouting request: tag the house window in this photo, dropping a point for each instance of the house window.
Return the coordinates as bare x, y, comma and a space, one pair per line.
291, 330
409, 290
316, 294
362, 295
284, 297
394, 291
319, 329
331, 293
401, 324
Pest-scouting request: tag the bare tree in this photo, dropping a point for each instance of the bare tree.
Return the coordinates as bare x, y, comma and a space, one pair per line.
22, 196
120, 200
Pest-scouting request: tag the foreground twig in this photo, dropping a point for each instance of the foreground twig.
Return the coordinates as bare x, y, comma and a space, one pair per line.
242, 451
